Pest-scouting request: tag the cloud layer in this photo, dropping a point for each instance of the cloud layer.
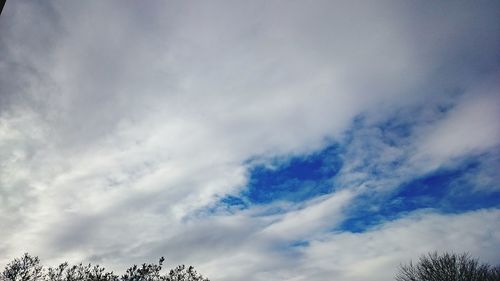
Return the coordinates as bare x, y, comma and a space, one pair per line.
125, 127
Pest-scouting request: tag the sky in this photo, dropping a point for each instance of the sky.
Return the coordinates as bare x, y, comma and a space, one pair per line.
255, 140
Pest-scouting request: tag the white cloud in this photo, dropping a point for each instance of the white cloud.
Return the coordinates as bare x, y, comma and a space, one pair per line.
372, 255
376, 254
470, 127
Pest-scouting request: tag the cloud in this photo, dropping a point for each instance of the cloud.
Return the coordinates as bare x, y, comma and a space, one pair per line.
470, 127
376, 254
318, 216
372, 255
121, 124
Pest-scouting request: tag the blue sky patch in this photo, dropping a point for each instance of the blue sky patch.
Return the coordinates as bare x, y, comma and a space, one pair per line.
295, 179
443, 191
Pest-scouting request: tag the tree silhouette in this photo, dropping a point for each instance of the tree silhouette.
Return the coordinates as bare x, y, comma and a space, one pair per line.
147, 272
448, 267
181, 273
79, 272
28, 268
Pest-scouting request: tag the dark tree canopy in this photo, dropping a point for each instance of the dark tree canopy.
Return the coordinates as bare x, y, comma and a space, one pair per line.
448, 267
181, 273
28, 268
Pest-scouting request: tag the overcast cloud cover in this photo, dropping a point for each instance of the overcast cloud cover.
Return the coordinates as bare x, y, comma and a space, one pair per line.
255, 140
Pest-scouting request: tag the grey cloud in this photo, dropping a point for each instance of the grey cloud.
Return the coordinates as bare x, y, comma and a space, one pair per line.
27, 54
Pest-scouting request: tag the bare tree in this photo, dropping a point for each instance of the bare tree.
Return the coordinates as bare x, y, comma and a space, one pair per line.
146, 272
448, 267
26, 268
79, 272
181, 273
